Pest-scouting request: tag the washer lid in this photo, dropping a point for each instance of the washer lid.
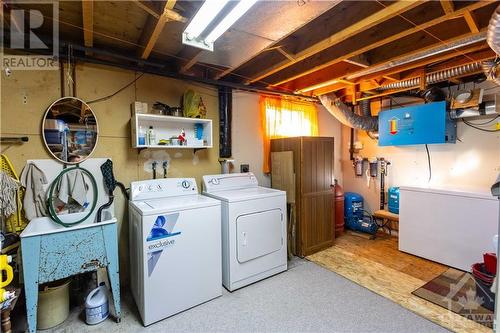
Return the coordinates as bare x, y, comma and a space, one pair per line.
245, 194
162, 205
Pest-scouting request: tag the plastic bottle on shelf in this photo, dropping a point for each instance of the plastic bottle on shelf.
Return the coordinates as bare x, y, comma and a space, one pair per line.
141, 137
151, 136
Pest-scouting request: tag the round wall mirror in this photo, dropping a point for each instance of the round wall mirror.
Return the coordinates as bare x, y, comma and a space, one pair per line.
70, 130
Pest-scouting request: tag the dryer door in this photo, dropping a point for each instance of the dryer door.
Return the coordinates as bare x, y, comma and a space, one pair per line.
259, 234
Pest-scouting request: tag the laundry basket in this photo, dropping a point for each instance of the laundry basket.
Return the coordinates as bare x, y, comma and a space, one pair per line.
16, 222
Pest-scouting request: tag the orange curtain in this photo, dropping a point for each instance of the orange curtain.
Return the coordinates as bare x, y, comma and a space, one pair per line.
282, 118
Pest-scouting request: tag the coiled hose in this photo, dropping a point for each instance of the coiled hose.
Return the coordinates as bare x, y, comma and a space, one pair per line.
52, 212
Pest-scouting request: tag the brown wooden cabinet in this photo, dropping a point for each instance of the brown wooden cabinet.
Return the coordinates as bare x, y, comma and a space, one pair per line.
313, 159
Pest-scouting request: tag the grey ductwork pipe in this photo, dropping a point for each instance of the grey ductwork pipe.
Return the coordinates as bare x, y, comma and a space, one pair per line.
435, 77
493, 39
366, 111
344, 114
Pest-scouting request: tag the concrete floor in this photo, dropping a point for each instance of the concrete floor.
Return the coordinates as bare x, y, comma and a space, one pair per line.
306, 298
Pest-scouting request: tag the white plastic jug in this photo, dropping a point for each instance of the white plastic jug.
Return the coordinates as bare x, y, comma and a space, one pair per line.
96, 305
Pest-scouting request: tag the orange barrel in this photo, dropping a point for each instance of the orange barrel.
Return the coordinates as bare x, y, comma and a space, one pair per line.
339, 209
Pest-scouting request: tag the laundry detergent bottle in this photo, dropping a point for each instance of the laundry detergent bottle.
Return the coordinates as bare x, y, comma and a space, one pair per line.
96, 305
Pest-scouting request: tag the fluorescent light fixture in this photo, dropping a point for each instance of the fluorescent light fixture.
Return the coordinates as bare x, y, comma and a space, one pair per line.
203, 17
241, 8
207, 13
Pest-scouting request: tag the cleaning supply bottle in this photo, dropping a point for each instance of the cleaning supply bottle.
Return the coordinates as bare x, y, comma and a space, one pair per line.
151, 136
96, 305
141, 137
5, 260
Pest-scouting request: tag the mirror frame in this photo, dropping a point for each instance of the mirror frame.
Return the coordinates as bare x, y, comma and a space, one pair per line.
43, 131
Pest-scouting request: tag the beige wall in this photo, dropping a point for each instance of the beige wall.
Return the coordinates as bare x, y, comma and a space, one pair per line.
247, 135
473, 163
41, 88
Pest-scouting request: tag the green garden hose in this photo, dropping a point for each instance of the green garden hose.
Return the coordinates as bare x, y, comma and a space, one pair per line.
50, 205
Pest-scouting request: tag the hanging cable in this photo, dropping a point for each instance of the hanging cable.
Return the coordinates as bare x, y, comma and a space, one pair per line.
116, 92
479, 128
429, 162
486, 122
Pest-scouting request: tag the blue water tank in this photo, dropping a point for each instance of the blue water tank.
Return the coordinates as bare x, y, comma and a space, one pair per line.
353, 205
393, 202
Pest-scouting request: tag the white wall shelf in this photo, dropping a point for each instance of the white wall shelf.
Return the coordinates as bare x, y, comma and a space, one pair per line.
166, 127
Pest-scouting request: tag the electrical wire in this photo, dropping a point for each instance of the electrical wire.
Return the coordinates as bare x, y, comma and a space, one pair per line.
116, 92
429, 162
486, 122
479, 128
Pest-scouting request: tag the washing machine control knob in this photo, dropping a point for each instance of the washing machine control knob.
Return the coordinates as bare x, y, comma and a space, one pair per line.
150, 188
185, 184
214, 181
158, 187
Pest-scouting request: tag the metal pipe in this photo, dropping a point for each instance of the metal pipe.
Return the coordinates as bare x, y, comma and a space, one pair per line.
421, 55
434, 77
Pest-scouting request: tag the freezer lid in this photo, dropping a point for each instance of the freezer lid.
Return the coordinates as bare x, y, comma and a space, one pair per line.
161, 205
454, 191
246, 194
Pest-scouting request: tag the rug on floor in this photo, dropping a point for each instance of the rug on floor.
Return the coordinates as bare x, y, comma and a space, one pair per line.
455, 290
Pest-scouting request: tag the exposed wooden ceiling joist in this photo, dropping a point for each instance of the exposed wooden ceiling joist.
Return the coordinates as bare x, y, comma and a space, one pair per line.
471, 21
191, 62
474, 53
275, 46
88, 22
448, 6
149, 7
327, 63
362, 25
154, 26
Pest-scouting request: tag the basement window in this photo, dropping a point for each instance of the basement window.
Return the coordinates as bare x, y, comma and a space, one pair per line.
283, 118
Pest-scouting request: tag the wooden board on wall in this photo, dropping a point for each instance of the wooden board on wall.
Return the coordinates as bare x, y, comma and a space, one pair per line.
282, 174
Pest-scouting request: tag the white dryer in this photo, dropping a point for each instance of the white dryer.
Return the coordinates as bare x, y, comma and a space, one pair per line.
175, 247
253, 228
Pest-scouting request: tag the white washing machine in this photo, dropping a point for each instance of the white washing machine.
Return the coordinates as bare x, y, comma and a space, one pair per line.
253, 228
175, 247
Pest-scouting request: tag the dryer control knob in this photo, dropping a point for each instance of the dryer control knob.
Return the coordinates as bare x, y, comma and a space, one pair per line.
214, 181
185, 184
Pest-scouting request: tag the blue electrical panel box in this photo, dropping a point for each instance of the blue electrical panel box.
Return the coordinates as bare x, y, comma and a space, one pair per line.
413, 125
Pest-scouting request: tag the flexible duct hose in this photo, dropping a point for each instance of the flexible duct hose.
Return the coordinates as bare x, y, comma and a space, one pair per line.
344, 114
366, 111
435, 77
493, 34
493, 40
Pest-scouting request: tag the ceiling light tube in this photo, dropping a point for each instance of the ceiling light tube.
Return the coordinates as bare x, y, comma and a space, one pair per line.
241, 8
203, 17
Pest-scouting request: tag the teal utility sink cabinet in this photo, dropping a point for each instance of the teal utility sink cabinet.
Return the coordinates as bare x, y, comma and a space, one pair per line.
52, 252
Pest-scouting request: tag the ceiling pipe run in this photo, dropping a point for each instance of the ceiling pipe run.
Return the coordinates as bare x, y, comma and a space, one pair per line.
421, 55
435, 77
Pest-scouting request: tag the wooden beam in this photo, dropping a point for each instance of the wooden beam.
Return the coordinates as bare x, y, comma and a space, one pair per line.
471, 21
154, 27
286, 54
191, 62
448, 6
149, 7
276, 45
88, 22
360, 26
382, 42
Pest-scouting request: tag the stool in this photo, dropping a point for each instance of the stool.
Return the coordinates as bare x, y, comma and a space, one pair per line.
386, 218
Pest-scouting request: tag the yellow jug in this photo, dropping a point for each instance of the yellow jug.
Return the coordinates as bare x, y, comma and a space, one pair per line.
4, 266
